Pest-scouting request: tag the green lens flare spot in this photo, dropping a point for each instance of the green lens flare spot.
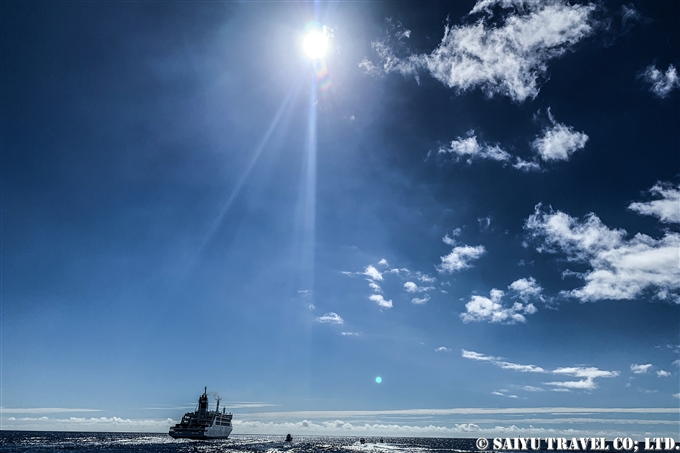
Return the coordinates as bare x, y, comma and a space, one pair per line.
378, 379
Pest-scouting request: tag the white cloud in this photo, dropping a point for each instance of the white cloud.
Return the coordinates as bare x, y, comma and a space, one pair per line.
667, 209
93, 424
373, 273
469, 148
383, 262
499, 362
531, 388
524, 165
620, 268
472, 355
425, 278
460, 256
442, 349
411, 287
662, 83
676, 395
330, 318
559, 141
397, 271
481, 308
350, 334
421, 300
374, 286
640, 369
589, 374
43, 410
506, 59
663, 373
380, 300
676, 362
527, 289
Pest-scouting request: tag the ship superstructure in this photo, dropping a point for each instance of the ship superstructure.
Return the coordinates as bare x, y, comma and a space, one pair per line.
203, 423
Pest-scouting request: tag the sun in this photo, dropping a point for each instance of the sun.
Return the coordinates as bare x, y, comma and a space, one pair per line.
315, 44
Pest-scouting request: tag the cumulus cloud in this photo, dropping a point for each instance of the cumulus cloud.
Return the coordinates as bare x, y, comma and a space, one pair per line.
661, 83
420, 300
373, 273
506, 59
640, 369
667, 209
620, 268
383, 262
527, 289
469, 148
559, 141
442, 349
490, 309
663, 373
330, 318
380, 300
460, 256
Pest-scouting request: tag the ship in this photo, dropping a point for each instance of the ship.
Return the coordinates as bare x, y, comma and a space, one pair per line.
203, 423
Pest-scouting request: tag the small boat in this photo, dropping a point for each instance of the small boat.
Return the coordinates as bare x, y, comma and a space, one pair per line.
289, 438
203, 423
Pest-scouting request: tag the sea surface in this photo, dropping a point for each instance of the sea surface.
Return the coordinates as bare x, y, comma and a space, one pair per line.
36, 441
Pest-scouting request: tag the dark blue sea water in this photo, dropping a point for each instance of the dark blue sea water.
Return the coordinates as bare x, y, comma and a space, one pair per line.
27, 441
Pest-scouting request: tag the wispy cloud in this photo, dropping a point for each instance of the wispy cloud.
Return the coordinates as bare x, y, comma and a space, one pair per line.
499, 362
469, 149
330, 318
442, 349
589, 374
506, 59
640, 369
667, 209
661, 83
420, 300
460, 257
350, 334
43, 410
662, 373
411, 287
620, 268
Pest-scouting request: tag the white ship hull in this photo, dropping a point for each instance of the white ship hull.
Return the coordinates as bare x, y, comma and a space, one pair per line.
211, 432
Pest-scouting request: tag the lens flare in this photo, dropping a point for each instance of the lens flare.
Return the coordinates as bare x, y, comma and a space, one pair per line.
378, 379
315, 44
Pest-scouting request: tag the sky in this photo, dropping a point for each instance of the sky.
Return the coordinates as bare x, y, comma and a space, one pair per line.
477, 202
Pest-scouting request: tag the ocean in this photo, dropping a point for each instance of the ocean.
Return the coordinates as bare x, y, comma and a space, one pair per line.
36, 441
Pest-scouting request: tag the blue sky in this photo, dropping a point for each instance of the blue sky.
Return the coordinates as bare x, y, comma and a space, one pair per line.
477, 202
